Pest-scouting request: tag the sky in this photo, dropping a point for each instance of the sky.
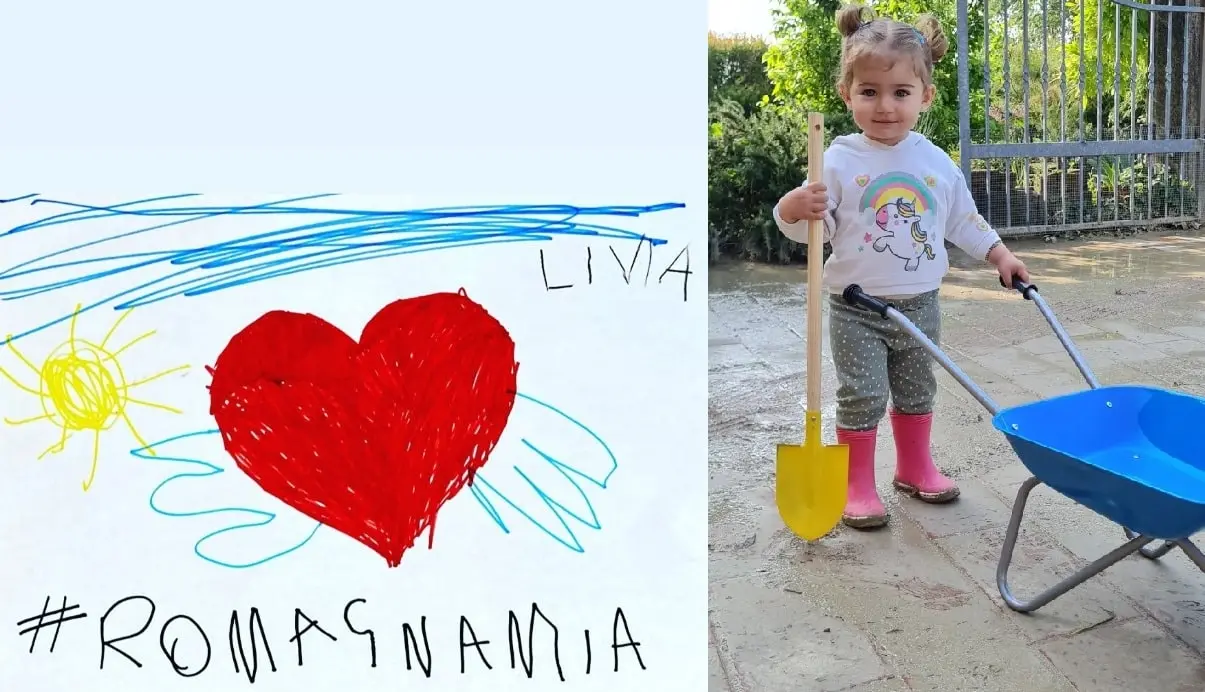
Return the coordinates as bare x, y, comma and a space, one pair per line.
740, 17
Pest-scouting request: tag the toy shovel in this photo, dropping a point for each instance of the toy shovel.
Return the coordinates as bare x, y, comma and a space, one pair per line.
811, 479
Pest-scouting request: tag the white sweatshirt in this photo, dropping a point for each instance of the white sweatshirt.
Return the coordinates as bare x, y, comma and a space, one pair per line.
890, 211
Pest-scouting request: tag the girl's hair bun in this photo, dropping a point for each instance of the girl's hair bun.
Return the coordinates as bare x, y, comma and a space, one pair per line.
850, 18
930, 28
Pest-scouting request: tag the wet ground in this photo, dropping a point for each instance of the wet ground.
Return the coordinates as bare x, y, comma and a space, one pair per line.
915, 606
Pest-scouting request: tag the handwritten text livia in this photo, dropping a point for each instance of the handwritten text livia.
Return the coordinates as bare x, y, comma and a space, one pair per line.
588, 267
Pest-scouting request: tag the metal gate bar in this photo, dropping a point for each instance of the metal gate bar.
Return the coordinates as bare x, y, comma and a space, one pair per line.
1151, 171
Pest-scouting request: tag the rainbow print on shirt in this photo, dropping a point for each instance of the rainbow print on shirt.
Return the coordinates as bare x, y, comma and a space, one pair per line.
898, 207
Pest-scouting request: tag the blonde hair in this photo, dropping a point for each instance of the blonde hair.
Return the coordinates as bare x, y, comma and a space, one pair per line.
866, 37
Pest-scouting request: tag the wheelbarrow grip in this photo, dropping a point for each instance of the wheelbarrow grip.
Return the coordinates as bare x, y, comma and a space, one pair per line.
1021, 287
854, 296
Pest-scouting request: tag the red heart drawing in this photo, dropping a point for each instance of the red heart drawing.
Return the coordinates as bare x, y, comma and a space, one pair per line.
369, 438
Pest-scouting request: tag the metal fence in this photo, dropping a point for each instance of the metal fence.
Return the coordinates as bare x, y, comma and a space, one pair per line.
1092, 113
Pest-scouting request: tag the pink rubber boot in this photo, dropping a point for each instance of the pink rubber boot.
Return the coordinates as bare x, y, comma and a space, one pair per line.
863, 508
915, 472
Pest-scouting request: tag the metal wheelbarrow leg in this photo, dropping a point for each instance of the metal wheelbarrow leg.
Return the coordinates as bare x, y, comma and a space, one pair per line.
1030, 292
1136, 544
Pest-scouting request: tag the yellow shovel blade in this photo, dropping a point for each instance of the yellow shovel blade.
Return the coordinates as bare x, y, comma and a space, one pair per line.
811, 481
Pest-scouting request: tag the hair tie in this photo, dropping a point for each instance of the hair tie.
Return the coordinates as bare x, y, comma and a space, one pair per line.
919, 36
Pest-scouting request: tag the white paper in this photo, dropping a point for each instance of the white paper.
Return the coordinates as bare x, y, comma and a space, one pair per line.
179, 172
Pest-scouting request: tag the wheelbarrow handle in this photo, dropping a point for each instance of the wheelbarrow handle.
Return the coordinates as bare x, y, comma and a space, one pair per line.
854, 295
1030, 292
1025, 289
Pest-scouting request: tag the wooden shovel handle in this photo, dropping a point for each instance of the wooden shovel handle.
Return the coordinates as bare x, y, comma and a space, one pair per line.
815, 265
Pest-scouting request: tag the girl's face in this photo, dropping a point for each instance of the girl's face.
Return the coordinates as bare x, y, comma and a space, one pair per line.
886, 99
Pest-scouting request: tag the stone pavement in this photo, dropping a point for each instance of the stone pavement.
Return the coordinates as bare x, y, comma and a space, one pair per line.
915, 606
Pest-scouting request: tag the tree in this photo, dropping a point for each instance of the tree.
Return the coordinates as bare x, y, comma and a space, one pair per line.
1177, 70
735, 71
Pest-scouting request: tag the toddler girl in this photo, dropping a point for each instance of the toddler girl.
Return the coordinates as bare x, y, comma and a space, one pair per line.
889, 200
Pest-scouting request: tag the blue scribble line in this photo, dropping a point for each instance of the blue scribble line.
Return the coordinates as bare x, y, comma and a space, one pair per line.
479, 488
557, 508
209, 469
329, 237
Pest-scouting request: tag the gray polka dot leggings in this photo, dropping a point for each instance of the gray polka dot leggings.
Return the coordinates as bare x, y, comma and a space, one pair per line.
876, 359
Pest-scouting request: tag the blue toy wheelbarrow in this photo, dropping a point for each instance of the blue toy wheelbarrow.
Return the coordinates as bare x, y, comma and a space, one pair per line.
1128, 453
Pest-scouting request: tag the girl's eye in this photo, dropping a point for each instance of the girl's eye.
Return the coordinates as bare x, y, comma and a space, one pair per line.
868, 92
901, 94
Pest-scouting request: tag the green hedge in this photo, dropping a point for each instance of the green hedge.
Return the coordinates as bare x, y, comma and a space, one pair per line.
751, 161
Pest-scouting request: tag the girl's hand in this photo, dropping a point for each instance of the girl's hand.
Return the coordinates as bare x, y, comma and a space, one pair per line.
809, 203
1008, 266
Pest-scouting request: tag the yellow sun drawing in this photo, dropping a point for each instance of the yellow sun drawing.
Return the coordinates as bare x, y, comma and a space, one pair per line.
82, 387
